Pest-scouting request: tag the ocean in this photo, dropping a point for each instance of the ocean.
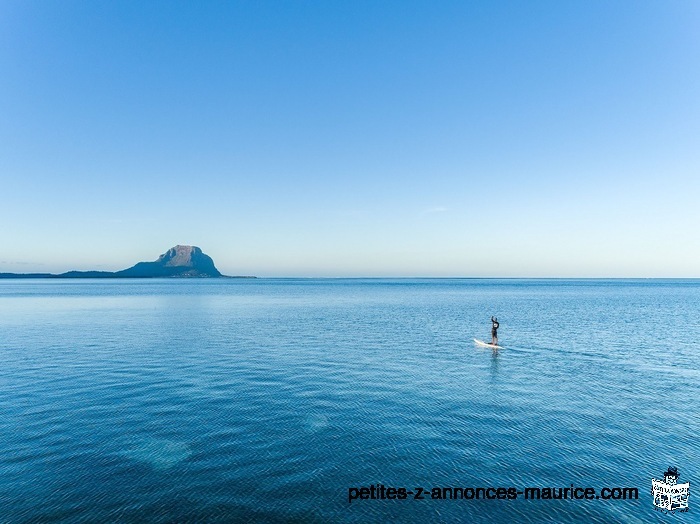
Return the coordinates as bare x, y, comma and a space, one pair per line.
279, 400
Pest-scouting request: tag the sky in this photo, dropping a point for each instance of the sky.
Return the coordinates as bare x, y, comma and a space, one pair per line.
356, 138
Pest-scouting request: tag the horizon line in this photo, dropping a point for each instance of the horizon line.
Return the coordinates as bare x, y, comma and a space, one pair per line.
59, 276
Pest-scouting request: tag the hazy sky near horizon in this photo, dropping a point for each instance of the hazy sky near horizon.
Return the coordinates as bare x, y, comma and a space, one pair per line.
356, 138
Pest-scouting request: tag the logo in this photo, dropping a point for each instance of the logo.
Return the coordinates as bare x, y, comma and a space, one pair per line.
668, 495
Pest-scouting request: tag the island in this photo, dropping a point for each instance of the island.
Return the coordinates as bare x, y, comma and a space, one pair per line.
178, 261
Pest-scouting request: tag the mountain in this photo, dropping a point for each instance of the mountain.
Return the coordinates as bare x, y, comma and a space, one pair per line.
178, 261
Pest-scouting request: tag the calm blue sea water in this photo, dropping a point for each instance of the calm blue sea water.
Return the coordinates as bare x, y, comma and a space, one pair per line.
265, 400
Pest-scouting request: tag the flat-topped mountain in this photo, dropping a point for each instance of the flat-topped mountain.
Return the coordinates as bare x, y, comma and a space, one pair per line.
178, 261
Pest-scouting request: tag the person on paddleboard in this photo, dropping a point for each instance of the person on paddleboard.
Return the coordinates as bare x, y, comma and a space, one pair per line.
494, 331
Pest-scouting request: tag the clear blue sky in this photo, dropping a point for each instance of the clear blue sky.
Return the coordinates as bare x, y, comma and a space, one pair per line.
353, 138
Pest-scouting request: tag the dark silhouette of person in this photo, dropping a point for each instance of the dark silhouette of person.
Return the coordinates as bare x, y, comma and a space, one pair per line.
494, 331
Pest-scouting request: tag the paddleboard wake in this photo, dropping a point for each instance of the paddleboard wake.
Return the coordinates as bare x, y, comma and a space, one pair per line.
486, 344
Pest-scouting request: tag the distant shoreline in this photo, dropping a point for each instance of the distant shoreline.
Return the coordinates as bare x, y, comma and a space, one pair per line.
73, 275
181, 261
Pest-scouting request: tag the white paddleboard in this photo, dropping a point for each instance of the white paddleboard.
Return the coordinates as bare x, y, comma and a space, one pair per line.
486, 344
